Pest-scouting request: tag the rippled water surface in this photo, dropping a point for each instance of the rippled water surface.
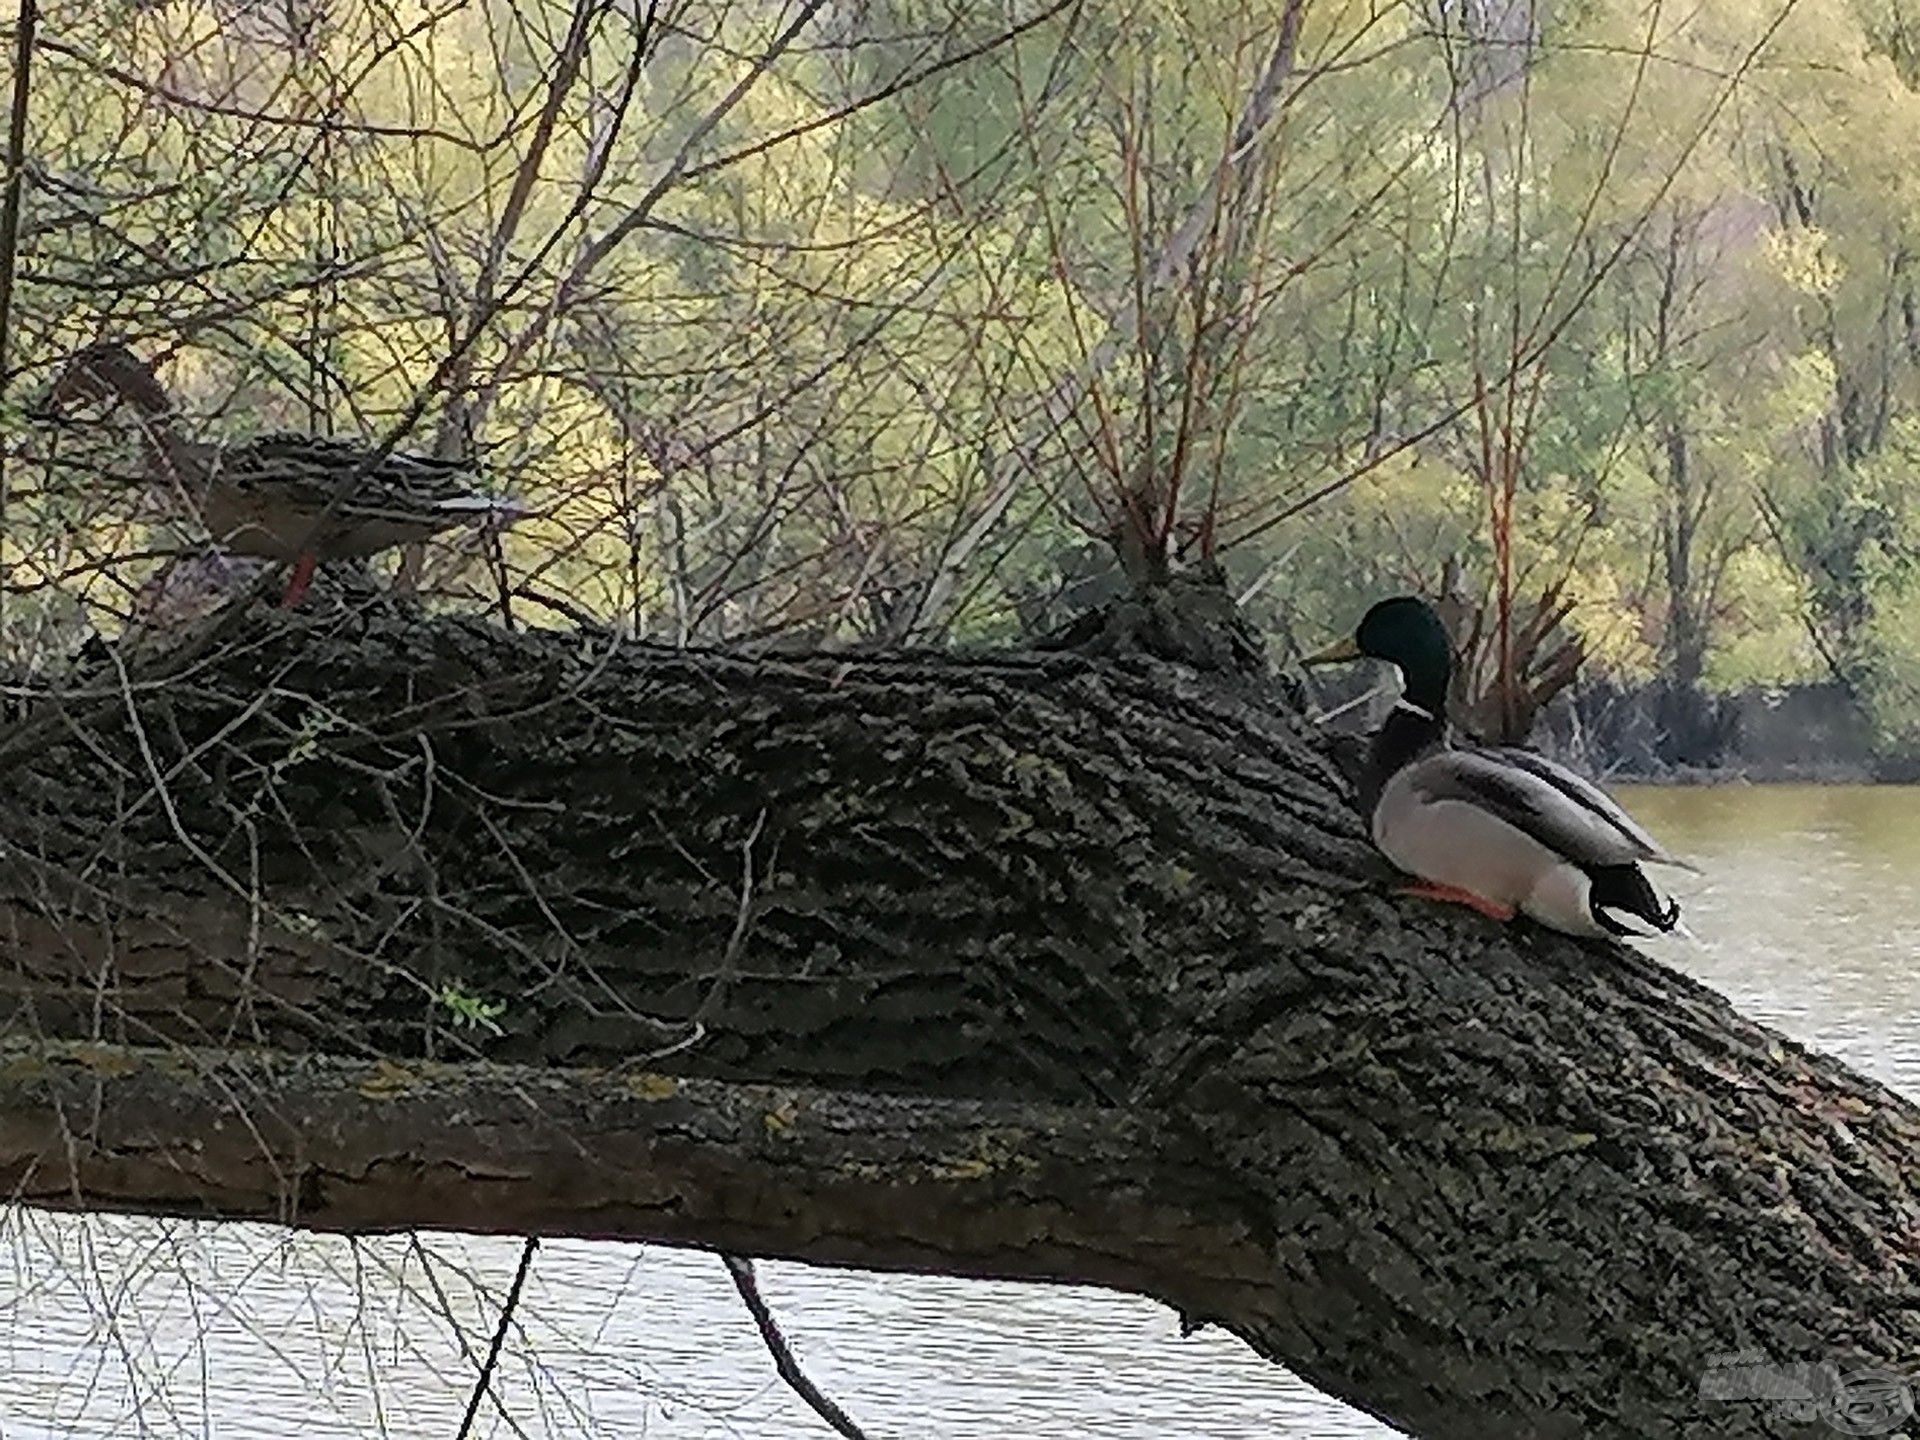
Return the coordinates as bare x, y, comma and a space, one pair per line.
1809, 919
1809, 912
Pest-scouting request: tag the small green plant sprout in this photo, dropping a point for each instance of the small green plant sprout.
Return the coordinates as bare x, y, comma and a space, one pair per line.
471, 1011
306, 740
299, 922
314, 724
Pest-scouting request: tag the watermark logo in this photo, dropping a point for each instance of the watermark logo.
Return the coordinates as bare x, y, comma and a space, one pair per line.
1862, 1400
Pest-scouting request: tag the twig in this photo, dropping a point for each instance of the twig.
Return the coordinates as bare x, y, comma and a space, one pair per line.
616, 235
741, 1270
28, 22
16, 163
742, 925
1018, 460
499, 1338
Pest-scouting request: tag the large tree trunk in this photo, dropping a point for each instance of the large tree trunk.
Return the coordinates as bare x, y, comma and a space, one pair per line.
1023, 966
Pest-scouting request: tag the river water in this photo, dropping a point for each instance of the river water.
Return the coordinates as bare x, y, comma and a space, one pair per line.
1809, 919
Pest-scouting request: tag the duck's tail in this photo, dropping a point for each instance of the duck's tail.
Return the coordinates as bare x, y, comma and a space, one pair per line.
1621, 893
482, 505
488, 514
502, 507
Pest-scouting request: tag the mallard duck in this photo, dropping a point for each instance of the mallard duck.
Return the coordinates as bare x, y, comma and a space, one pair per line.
274, 497
1497, 829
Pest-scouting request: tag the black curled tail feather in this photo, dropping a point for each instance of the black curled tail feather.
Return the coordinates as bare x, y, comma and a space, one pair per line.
1626, 888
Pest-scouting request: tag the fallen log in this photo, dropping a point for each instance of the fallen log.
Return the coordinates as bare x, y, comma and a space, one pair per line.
1030, 965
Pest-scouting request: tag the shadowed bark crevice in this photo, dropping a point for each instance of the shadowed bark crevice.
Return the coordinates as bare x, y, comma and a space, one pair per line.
1039, 965
1188, 618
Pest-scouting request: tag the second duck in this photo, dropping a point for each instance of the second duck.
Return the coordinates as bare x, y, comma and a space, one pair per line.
1499, 829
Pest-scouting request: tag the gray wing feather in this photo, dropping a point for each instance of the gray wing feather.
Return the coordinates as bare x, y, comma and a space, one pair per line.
1569, 815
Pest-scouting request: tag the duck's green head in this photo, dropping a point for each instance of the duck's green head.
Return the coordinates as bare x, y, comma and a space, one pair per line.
1408, 632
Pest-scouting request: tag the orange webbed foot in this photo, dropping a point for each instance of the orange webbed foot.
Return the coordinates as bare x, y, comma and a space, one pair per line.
1453, 895
297, 586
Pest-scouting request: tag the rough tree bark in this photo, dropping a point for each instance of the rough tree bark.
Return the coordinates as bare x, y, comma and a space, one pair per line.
1038, 966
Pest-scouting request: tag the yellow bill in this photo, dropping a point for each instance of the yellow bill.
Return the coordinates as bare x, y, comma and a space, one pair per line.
1334, 654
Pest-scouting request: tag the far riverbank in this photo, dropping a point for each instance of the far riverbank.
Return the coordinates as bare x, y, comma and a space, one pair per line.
1793, 735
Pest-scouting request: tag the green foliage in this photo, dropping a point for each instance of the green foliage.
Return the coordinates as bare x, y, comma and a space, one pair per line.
1763, 639
818, 383
472, 1012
